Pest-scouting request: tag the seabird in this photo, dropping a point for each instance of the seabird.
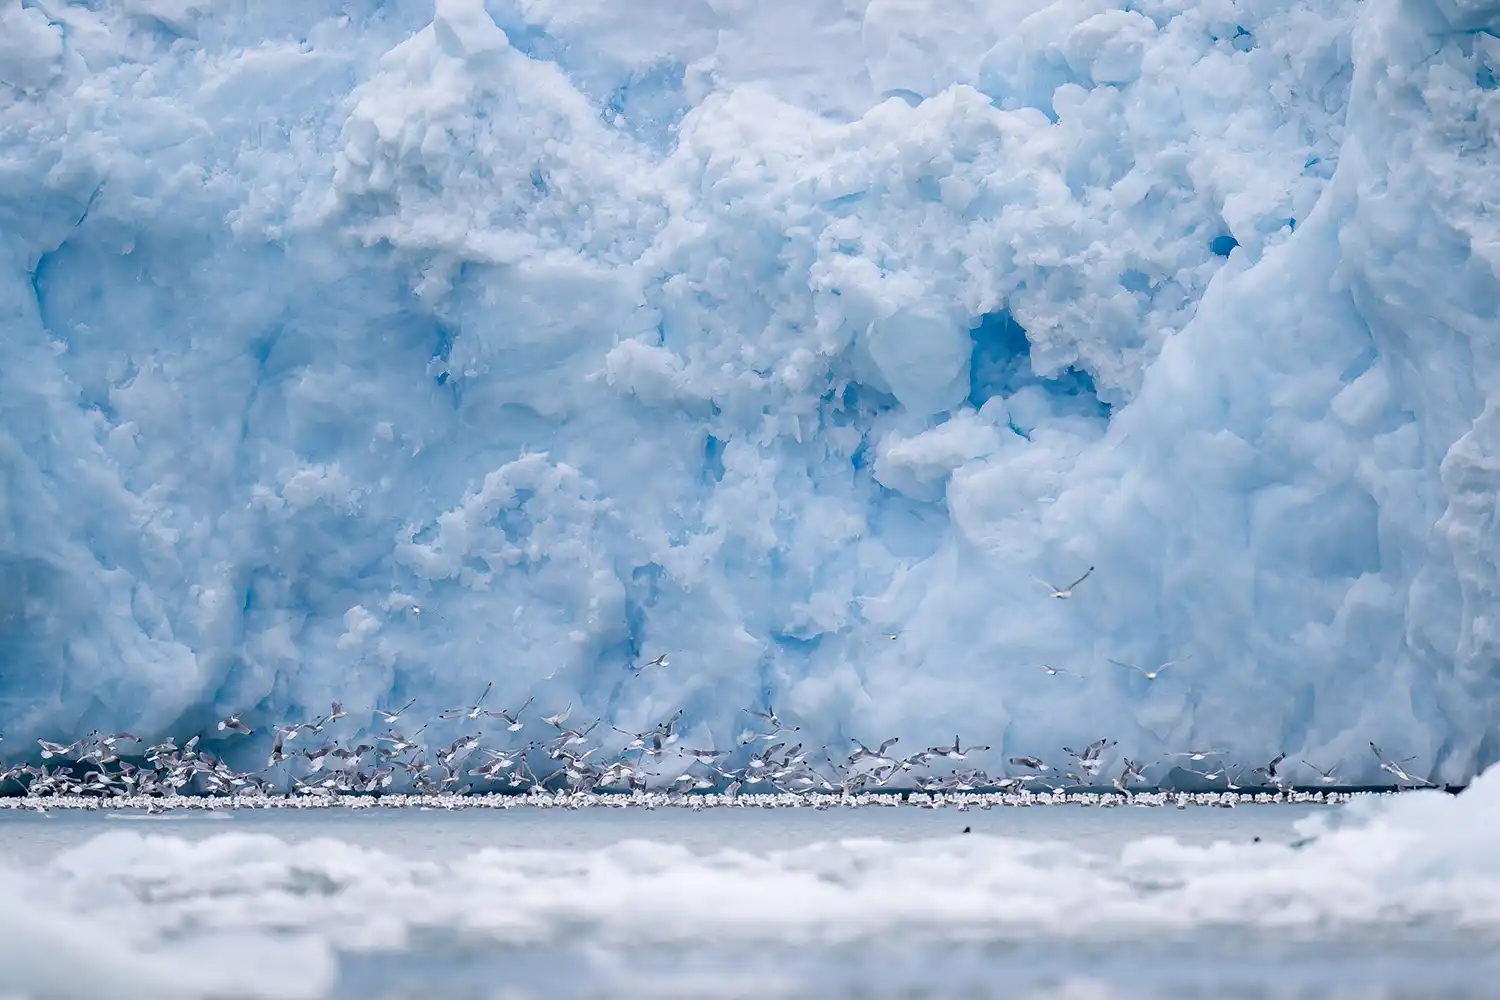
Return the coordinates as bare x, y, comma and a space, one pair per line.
391, 717
1269, 772
473, 711
955, 752
1150, 675
1063, 593
1394, 768
513, 721
1325, 777
769, 714
234, 725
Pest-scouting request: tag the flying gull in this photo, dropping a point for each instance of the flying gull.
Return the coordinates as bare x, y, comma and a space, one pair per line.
1063, 593
1150, 675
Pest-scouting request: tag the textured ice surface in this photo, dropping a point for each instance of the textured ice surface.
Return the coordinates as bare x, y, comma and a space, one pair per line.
750, 333
1417, 871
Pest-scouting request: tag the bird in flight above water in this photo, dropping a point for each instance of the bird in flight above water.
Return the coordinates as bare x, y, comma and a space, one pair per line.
1327, 777
1393, 767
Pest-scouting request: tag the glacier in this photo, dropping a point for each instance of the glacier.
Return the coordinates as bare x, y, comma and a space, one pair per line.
370, 350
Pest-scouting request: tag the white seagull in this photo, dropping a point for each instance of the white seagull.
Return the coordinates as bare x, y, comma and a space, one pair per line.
1063, 593
473, 711
1326, 777
1269, 775
234, 725
876, 754
391, 717
1200, 755
955, 752
513, 721
769, 714
1394, 768
1150, 675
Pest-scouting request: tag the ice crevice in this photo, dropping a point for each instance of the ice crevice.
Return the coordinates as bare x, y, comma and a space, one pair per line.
378, 353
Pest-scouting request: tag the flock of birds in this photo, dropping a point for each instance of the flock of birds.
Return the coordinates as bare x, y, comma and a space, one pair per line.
309, 759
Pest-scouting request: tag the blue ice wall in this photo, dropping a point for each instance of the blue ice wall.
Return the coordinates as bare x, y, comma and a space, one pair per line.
370, 350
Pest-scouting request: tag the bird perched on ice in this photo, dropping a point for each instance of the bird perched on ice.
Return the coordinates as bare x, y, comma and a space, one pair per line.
1063, 593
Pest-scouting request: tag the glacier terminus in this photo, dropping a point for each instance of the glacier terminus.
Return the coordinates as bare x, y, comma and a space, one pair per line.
375, 351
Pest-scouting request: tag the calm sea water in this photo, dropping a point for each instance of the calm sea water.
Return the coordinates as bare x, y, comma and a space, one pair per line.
421, 833
1053, 903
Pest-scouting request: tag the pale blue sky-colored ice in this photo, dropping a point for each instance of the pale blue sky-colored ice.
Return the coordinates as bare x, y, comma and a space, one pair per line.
752, 333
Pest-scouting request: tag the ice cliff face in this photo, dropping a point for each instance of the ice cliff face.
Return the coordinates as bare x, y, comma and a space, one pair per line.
755, 333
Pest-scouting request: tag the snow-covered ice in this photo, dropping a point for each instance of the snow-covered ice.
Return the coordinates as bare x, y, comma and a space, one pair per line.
155, 912
751, 333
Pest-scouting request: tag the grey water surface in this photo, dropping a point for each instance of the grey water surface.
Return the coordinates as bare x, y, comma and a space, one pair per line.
1253, 961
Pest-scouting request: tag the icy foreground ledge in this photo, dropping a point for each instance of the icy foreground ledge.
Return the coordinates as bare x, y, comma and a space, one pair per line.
754, 335
163, 916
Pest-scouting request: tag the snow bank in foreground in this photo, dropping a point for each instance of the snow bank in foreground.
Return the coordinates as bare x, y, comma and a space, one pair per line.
1421, 860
